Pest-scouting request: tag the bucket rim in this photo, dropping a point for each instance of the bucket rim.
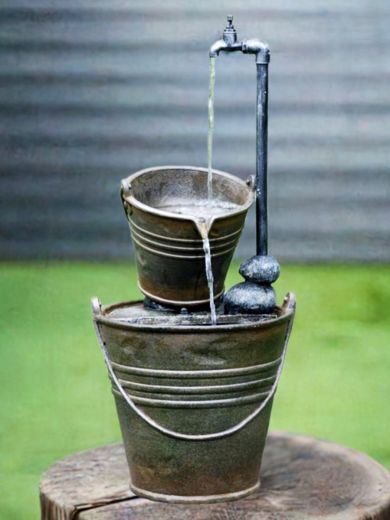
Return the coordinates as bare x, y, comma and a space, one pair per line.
129, 198
286, 312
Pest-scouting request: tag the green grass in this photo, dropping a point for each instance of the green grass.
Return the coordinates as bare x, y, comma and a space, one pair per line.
55, 397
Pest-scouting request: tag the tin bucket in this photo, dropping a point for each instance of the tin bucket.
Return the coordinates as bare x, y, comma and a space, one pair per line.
193, 401
168, 246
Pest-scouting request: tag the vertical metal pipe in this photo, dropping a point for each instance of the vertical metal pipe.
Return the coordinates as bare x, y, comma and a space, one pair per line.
261, 159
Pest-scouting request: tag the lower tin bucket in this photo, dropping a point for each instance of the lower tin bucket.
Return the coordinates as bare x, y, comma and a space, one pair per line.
193, 401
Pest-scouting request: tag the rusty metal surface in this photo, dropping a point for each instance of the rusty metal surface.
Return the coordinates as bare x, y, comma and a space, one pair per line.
195, 380
168, 247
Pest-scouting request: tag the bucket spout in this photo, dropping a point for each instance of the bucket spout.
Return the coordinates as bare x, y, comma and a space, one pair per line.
203, 225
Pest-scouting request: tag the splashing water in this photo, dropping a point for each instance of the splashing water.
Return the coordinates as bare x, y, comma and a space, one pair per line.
210, 278
210, 130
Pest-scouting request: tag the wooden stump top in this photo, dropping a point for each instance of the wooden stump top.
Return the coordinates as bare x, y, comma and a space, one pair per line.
301, 478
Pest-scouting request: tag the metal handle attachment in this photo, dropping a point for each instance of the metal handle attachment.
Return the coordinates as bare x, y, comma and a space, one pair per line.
96, 307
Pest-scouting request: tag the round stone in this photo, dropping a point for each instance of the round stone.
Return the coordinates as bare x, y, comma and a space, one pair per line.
250, 298
260, 269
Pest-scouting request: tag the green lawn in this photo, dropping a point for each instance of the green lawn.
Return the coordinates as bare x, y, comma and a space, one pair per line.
55, 397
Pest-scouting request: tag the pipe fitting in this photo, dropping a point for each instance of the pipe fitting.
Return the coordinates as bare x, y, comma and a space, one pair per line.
228, 43
221, 45
259, 48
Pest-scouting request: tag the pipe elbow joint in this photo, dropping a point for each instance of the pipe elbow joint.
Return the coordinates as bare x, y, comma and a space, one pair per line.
259, 48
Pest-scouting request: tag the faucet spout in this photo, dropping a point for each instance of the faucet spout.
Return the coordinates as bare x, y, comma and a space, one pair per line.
217, 47
222, 46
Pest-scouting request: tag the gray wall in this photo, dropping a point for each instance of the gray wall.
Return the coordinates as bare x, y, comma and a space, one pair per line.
91, 91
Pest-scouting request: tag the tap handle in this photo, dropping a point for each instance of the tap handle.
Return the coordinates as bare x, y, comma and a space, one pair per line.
230, 33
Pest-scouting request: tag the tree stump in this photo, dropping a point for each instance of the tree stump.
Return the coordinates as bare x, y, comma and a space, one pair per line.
301, 478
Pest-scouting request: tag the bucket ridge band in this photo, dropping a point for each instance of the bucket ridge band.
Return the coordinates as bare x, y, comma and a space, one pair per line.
198, 389
213, 372
183, 257
211, 403
195, 249
186, 240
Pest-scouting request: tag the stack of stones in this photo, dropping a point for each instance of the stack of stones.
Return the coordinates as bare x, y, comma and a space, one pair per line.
256, 295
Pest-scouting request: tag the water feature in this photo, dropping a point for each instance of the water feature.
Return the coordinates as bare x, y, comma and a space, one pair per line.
210, 129
211, 387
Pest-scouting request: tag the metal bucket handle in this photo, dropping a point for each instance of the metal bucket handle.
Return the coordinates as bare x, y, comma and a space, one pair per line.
288, 304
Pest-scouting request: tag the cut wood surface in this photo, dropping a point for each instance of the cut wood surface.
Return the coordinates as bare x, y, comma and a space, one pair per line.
301, 478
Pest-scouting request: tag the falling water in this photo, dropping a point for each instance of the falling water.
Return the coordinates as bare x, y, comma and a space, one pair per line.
206, 241
203, 227
205, 238
210, 130
210, 278
212, 208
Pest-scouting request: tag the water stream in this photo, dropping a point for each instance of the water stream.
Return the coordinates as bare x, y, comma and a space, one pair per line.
206, 241
210, 278
203, 212
212, 207
210, 130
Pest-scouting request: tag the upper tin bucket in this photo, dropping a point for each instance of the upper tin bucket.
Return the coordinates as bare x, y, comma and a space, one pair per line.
168, 246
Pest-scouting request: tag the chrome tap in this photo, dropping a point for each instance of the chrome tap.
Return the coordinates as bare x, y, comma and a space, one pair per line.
228, 43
